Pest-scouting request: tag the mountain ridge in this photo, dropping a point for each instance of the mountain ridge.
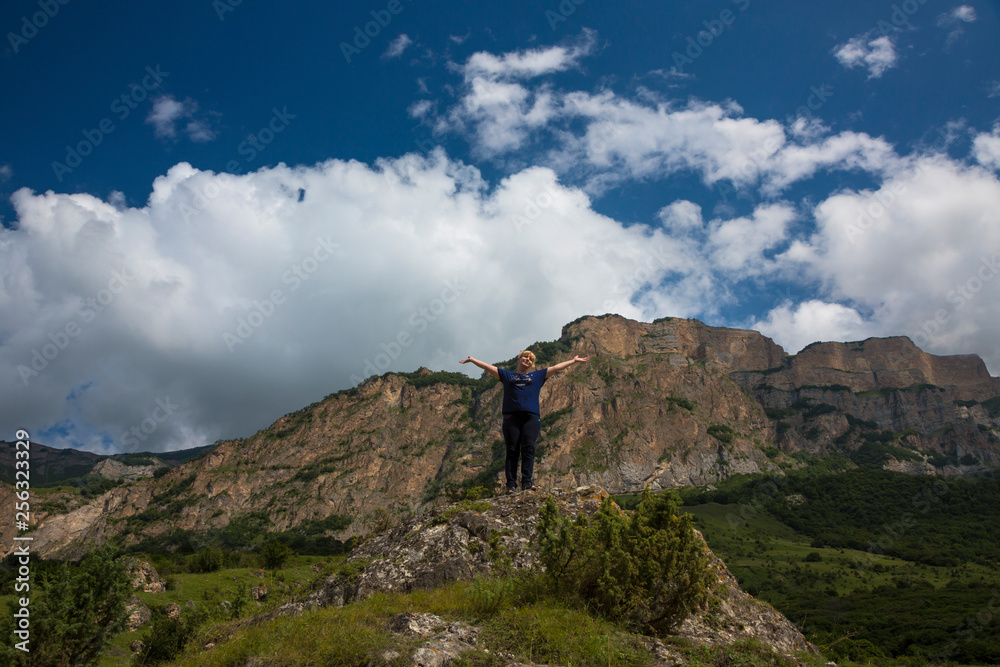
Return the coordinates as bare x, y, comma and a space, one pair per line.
664, 404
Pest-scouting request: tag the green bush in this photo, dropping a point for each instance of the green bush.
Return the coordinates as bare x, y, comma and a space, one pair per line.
968, 460
96, 487
778, 413
646, 568
721, 432
681, 402
164, 641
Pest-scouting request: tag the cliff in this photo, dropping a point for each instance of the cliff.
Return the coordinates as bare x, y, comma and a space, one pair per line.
838, 396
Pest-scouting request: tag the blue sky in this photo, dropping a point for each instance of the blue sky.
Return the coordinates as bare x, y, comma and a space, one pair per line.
218, 212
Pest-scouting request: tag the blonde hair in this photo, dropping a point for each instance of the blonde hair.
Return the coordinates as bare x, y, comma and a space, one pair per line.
530, 354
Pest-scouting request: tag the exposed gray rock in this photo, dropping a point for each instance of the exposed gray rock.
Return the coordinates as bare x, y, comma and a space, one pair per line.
145, 577
112, 469
138, 613
446, 641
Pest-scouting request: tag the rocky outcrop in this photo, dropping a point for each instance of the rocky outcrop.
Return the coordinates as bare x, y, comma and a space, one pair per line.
145, 577
70, 536
684, 340
137, 613
8, 528
462, 541
446, 642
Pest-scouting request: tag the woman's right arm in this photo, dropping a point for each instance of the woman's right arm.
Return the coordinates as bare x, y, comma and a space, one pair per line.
489, 368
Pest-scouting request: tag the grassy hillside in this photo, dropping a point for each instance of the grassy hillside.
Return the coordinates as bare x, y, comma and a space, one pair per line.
520, 619
874, 566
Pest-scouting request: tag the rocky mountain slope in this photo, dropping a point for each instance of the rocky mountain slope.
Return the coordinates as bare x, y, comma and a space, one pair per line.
664, 404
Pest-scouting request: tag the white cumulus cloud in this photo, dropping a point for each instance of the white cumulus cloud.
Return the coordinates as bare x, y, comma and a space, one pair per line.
986, 148
918, 255
877, 54
795, 326
509, 107
235, 298
167, 113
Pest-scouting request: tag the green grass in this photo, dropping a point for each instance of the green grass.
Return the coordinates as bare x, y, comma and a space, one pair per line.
542, 630
207, 591
521, 617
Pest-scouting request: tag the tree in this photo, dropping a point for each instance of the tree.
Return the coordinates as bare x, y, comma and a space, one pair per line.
274, 553
208, 559
75, 610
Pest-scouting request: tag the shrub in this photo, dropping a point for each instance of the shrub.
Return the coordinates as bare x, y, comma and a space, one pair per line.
681, 402
379, 521
721, 432
164, 641
778, 413
646, 568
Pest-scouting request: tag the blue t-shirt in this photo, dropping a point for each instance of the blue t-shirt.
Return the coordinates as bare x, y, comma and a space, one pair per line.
520, 390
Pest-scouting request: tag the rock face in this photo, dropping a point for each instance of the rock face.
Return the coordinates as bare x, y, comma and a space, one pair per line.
462, 541
836, 396
112, 469
883, 363
8, 529
664, 404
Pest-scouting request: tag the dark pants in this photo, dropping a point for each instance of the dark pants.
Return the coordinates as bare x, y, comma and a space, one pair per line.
520, 430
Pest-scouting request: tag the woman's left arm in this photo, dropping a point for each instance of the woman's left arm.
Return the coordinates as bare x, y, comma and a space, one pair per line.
551, 370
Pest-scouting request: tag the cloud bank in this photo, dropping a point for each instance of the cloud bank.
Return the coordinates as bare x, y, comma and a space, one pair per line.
227, 300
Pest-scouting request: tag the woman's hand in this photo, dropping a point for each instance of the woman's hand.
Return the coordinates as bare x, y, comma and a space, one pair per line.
489, 368
551, 370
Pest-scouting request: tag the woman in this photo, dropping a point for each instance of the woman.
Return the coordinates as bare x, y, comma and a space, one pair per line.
521, 416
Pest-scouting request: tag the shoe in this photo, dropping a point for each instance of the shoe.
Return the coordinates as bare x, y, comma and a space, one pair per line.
530, 488
511, 492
